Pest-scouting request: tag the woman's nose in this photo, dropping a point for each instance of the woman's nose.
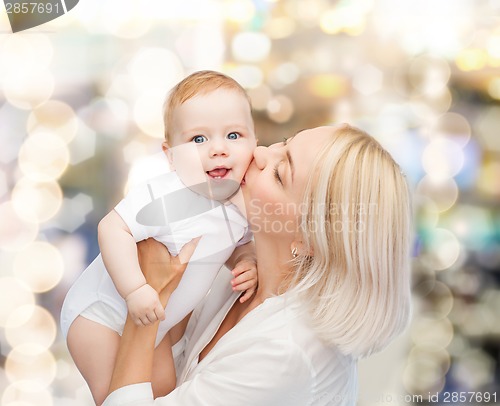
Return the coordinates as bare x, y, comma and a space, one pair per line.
260, 156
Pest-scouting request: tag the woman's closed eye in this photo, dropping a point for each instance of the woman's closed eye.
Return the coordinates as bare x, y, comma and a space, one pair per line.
277, 175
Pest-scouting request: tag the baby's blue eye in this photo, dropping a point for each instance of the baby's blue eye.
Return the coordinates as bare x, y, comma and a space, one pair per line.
233, 136
198, 139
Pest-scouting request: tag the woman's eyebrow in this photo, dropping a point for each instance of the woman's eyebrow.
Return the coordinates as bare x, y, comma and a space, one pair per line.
289, 139
286, 140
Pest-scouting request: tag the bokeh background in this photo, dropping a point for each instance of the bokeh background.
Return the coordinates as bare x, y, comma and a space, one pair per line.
80, 118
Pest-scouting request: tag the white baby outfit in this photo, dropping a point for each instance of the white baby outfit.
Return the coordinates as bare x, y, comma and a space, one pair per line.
165, 209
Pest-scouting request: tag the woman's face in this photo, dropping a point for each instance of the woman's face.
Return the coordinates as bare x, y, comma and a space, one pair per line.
276, 179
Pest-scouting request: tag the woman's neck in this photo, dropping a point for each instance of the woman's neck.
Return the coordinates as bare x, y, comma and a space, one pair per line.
272, 266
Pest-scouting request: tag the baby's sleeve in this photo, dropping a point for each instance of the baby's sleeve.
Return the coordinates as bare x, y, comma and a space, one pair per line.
136, 200
247, 237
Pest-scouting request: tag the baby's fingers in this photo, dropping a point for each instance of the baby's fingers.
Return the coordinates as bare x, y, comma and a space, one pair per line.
244, 286
141, 320
137, 321
159, 312
244, 277
152, 317
247, 295
238, 270
244, 266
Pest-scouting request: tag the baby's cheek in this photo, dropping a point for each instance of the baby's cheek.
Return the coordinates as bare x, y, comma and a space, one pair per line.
245, 158
190, 169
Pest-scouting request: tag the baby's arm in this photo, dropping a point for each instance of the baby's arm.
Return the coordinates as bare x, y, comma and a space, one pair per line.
119, 254
243, 263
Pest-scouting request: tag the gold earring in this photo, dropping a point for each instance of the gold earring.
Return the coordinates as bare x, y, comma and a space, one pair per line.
294, 252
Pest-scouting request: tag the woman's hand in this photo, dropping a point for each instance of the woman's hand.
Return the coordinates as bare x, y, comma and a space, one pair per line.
134, 361
162, 271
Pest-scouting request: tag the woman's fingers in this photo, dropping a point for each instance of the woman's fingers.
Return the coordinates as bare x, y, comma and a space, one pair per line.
157, 265
175, 270
153, 251
188, 249
148, 247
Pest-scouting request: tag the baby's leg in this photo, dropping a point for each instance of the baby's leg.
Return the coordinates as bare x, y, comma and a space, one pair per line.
94, 348
163, 379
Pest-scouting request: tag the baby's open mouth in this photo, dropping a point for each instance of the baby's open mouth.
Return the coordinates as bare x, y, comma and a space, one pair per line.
218, 173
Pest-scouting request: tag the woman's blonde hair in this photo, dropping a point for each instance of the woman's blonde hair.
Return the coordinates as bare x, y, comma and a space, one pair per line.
357, 223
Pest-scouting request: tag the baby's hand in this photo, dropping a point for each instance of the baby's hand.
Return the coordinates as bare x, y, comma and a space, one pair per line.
144, 306
245, 278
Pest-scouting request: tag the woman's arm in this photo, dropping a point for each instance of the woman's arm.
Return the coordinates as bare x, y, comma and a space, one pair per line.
134, 361
119, 254
249, 372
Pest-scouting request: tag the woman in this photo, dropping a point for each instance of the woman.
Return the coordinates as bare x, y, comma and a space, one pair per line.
330, 213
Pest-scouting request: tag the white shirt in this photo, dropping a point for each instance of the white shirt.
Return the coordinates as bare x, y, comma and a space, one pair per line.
165, 209
271, 357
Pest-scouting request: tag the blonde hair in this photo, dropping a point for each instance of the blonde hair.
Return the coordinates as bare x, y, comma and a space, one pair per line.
198, 83
357, 223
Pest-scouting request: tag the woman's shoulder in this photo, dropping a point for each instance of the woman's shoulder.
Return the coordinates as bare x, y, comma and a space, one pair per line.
280, 318
283, 331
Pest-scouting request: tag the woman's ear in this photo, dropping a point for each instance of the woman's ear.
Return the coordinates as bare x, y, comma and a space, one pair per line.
168, 153
298, 247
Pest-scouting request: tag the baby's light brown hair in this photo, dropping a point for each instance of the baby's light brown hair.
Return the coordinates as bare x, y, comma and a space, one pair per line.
198, 83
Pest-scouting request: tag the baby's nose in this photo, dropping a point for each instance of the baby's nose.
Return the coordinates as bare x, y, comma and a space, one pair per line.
218, 147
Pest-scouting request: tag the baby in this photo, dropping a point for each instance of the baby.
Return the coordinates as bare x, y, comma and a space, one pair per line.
209, 144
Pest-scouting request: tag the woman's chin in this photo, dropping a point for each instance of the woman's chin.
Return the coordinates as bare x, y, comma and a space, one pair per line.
247, 178
245, 195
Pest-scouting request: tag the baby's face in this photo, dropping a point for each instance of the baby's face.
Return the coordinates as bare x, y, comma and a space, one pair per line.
213, 139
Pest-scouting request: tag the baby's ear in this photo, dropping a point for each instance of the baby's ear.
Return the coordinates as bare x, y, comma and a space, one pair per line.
168, 153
